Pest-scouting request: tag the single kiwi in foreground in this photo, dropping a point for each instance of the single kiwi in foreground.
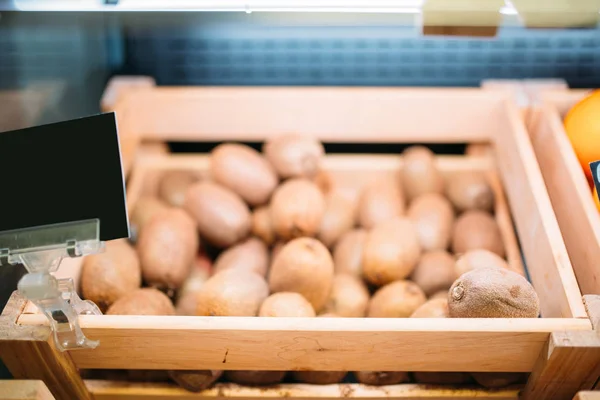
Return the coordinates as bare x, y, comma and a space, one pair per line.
349, 297
477, 230
294, 156
286, 304
380, 378
319, 377
145, 301
492, 293
399, 299
255, 378
251, 254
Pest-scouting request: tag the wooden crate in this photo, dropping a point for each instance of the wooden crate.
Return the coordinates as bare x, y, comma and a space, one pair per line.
560, 349
567, 186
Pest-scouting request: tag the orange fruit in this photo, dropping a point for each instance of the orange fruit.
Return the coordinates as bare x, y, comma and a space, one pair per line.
582, 124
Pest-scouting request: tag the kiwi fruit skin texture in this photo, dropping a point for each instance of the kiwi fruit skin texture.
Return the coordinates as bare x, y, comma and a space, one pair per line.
349, 297
391, 252
319, 377
492, 293
195, 380
174, 185
262, 226
252, 254
294, 156
110, 275
233, 292
478, 258
338, 218
145, 301
167, 246
470, 191
255, 378
433, 218
221, 216
477, 230
286, 304
442, 378
244, 171
297, 208
379, 201
433, 308
419, 174
380, 378
348, 252
434, 272
304, 266
495, 380
143, 211
398, 299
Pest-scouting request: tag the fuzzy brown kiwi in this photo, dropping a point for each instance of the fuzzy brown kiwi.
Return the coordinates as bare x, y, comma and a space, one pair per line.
442, 378
297, 209
143, 211
167, 246
294, 156
478, 258
399, 299
110, 275
434, 272
380, 378
144, 301
433, 217
349, 297
496, 380
255, 378
348, 252
262, 226
319, 377
174, 185
470, 191
244, 171
391, 251
286, 304
433, 308
492, 293
304, 266
379, 201
477, 230
221, 216
233, 292
252, 254
419, 173
195, 380
339, 217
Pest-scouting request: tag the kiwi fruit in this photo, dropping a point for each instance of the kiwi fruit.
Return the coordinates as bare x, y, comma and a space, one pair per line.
433, 217
108, 276
379, 201
398, 299
186, 304
243, 170
195, 380
144, 301
391, 251
303, 266
496, 380
477, 230
349, 297
188, 293
262, 226
143, 211
286, 304
348, 252
252, 254
167, 247
419, 174
380, 378
492, 293
276, 249
255, 378
339, 218
297, 209
442, 378
222, 217
294, 156
433, 308
319, 377
478, 258
232, 292
434, 272
174, 185
442, 294
470, 191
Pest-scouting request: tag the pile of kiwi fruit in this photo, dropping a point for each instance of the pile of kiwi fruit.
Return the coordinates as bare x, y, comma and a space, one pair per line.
272, 234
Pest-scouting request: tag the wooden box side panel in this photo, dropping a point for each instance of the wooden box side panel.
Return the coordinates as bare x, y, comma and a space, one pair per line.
331, 114
22, 389
545, 252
